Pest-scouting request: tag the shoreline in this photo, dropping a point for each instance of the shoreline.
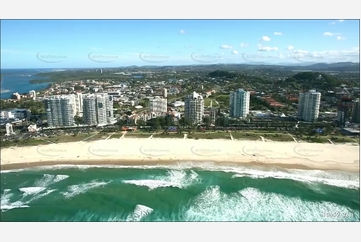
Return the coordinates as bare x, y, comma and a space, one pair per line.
135, 163
140, 152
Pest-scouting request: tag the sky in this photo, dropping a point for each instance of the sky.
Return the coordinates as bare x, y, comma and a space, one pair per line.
116, 43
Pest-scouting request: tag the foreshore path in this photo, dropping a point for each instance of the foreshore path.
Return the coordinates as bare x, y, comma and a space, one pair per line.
47, 141
231, 136
185, 136
330, 141
292, 137
89, 137
123, 136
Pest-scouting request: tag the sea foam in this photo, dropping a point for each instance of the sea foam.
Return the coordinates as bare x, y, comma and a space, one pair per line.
174, 178
250, 204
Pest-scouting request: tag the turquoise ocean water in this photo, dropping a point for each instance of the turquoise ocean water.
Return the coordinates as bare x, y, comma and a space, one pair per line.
185, 192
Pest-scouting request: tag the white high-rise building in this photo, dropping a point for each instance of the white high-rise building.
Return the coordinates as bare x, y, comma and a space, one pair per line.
239, 103
89, 110
9, 129
165, 92
194, 108
60, 110
309, 105
79, 103
101, 109
158, 104
98, 109
32, 93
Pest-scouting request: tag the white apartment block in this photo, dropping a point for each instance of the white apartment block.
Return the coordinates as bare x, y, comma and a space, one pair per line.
89, 110
239, 103
165, 92
309, 105
60, 110
98, 109
79, 103
194, 108
32, 93
158, 104
213, 115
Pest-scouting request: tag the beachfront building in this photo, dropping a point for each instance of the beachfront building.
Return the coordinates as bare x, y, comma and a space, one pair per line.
356, 112
79, 104
158, 104
98, 109
89, 110
309, 105
32, 94
239, 103
344, 110
194, 108
60, 110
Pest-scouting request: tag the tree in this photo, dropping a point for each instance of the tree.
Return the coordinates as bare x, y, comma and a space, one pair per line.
207, 121
78, 120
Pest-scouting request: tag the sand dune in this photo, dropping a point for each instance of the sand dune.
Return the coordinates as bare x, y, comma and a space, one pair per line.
152, 151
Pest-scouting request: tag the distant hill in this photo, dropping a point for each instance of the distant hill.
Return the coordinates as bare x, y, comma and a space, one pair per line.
339, 66
314, 80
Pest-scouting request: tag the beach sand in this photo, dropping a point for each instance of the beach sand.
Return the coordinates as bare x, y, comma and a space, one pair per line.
135, 151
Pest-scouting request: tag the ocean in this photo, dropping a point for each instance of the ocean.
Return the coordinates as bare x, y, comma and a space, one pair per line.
184, 192
17, 80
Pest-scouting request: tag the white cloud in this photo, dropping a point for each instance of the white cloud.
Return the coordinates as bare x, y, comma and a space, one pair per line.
330, 34
340, 38
182, 32
267, 48
341, 20
234, 52
265, 38
332, 23
244, 45
290, 47
225, 47
277, 33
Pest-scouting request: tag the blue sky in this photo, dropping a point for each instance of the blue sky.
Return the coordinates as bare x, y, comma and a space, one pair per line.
113, 43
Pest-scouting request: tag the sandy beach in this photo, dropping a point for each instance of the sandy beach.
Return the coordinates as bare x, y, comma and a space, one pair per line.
167, 151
